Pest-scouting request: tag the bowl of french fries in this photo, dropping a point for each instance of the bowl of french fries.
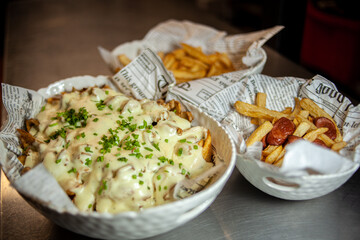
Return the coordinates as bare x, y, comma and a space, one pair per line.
296, 150
41, 190
193, 51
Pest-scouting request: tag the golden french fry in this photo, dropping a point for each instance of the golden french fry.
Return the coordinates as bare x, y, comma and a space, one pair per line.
304, 113
312, 135
316, 111
258, 112
278, 162
206, 149
190, 62
179, 53
269, 149
297, 107
224, 58
188, 75
123, 59
260, 100
287, 110
338, 146
301, 129
196, 53
328, 141
271, 158
259, 133
169, 59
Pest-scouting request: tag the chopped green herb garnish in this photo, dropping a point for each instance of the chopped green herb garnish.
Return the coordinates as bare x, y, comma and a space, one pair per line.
88, 162
158, 177
156, 145
166, 140
107, 165
107, 92
140, 174
180, 151
54, 124
122, 159
141, 182
134, 176
103, 187
196, 146
183, 171
90, 205
95, 134
149, 149
100, 159
61, 132
43, 108
165, 187
47, 141
95, 119
100, 105
58, 161
182, 140
73, 170
88, 149
149, 156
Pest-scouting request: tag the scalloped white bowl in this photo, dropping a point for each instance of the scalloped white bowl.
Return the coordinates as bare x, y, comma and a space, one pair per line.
151, 221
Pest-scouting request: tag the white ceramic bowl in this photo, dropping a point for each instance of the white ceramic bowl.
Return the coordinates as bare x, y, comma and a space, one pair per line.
291, 188
151, 221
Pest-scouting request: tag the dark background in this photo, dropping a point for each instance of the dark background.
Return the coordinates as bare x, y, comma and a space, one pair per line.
317, 57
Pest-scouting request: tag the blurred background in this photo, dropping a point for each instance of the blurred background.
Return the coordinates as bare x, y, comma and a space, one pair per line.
321, 35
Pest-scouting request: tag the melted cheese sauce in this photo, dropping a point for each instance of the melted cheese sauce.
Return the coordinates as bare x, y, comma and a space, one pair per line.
115, 153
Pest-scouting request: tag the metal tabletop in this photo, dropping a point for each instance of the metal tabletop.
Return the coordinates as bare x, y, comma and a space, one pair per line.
47, 41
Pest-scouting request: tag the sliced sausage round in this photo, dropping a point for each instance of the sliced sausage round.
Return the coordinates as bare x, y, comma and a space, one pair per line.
281, 130
325, 122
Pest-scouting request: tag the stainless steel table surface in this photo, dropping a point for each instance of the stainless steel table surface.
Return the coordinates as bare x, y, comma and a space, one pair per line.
51, 40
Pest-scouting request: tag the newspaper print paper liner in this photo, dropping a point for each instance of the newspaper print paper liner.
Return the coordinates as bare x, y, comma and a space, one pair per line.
55, 204
243, 49
281, 93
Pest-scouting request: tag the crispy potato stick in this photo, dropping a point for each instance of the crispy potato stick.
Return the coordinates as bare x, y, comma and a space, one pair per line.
196, 53
278, 162
312, 135
316, 111
224, 58
213, 71
206, 149
169, 60
258, 112
260, 100
259, 133
301, 129
338, 146
190, 62
297, 107
188, 75
303, 119
287, 110
179, 53
328, 141
304, 113
269, 149
123, 59
271, 158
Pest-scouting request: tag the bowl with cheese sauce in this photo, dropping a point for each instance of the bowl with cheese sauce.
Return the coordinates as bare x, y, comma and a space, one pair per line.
120, 159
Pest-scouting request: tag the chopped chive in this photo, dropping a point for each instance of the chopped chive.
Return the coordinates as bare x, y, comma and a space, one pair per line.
95, 134
134, 176
106, 92
54, 124
90, 205
180, 151
166, 140
122, 159
196, 146
156, 145
149, 156
141, 182
88, 149
158, 177
43, 108
183, 171
58, 161
72, 170
107, 165
182, 140
149, 149
100, 159
95, 120
88, 162
140, 174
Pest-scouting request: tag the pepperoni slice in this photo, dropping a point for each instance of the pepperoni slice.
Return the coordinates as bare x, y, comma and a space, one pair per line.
319, 142
325, 122
292, 139
281, 130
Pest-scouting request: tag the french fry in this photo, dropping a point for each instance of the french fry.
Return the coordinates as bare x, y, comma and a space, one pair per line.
259, 133
169, 60
301, 129
206, 149
316, 111
312, 135
297, 107
257, 112
328, 141
272, 157
269, 149
123, 59
338, 146
260, 100
198, 54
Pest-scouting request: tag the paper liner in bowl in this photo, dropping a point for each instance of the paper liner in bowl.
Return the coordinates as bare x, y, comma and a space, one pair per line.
53, 203
245, 50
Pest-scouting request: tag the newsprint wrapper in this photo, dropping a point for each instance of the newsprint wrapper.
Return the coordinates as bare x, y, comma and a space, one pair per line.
244, 50
280, 94
145, 77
